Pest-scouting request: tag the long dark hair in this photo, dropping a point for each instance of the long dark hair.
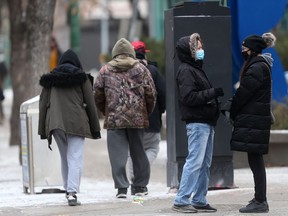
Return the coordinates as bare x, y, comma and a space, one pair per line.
246, 63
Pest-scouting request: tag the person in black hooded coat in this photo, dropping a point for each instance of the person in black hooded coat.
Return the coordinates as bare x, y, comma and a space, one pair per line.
251, 113
68, 112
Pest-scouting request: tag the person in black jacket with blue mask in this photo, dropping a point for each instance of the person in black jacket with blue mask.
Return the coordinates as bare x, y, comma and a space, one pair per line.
250, 113
199, 108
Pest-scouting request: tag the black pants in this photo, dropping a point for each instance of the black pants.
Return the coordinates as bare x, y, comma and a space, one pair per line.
257, 166
119, 141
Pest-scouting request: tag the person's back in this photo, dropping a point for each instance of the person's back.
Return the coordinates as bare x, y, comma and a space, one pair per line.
130, 92
125, 94
125, 90
68, 92
68, 112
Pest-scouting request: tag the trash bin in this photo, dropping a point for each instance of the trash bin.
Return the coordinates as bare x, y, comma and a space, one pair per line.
213, 23
40, 166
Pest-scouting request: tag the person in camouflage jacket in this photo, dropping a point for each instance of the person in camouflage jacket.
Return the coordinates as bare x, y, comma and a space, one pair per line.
126, 95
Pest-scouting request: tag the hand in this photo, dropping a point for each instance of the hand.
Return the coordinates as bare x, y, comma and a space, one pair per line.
227, 119
227, 114
219, 92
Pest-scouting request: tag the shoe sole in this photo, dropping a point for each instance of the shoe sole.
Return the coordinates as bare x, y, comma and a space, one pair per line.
73, 203
255, 211
206, 210
121, 196
183, 211
141, 194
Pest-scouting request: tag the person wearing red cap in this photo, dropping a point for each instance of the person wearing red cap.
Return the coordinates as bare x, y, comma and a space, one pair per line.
140, 48
152, 136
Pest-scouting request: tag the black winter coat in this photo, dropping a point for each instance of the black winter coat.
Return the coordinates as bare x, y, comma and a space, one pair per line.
250, 109
197, 99
155, 121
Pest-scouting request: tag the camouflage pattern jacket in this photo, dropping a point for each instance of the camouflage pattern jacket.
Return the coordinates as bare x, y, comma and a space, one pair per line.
125, 94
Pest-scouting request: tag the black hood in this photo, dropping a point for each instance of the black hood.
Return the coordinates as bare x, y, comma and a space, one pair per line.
184, 53
70, 57
68, 73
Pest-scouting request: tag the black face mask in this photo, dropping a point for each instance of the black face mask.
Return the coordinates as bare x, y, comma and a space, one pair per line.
245, 55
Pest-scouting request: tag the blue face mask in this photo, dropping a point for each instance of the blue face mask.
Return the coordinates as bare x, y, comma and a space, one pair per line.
200, 54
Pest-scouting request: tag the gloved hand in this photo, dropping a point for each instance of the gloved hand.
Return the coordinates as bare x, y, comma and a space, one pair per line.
219, 92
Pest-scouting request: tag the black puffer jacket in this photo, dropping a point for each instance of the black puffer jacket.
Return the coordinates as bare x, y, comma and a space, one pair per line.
250, 109
197, 98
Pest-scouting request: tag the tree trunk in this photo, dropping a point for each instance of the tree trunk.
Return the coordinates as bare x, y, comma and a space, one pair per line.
18, 65
31, 29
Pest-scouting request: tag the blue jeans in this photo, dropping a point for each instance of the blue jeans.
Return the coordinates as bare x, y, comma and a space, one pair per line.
195, 175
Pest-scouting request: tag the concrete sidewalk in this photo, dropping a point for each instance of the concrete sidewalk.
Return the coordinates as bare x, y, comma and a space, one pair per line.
98, 193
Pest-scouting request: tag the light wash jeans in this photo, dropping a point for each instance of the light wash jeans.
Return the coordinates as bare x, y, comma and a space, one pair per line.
196, 170
71, 149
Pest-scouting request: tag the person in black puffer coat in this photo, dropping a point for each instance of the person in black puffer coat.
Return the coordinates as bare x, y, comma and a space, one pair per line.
251, 113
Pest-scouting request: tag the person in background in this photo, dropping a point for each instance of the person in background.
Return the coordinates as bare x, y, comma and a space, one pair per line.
55, 53
250, 114
152, 135
125, 94
199, 108
3, 74
67, 112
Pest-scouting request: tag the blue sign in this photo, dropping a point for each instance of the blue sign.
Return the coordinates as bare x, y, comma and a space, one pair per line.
257, 17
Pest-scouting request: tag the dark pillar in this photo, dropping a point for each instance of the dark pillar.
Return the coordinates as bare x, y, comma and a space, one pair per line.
213, 23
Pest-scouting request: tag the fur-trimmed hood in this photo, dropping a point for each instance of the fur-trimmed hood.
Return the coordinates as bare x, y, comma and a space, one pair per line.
68, 73
183, 50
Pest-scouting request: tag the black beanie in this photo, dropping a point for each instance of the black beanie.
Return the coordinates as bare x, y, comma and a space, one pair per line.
255, 43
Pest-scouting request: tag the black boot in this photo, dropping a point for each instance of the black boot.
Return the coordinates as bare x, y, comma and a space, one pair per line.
255, 207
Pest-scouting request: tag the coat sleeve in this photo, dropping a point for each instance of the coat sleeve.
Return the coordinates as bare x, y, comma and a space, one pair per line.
150, 91
250, 83
189, 92
160, 88
99, 92
43, 106
91, 109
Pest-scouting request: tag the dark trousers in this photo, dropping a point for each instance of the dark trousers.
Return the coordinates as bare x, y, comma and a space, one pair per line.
257, 166
119, 141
